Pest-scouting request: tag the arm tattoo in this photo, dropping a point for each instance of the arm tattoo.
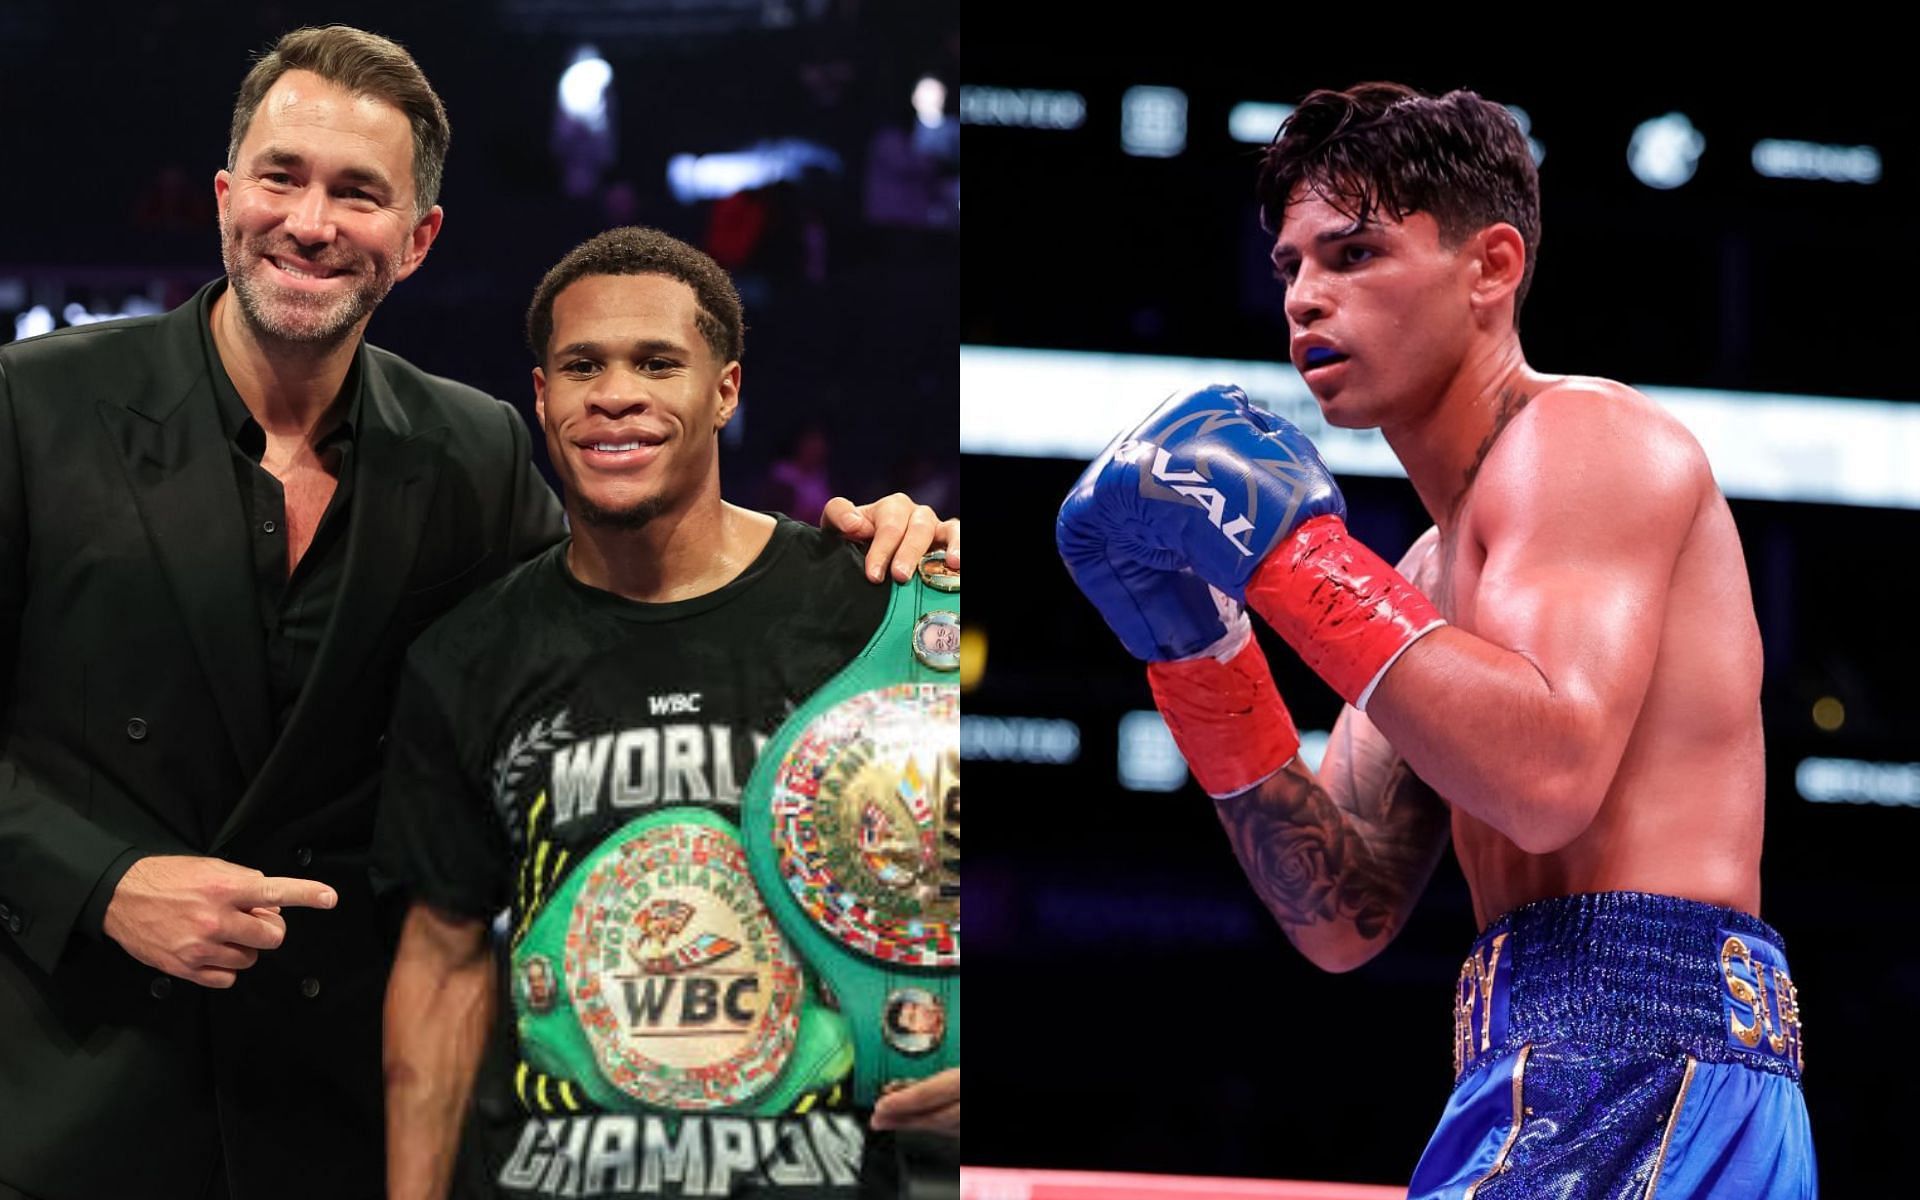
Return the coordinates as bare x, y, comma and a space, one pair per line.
1313, 861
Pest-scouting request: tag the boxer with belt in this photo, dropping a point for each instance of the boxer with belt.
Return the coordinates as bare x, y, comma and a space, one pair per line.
1562, 675
575, 747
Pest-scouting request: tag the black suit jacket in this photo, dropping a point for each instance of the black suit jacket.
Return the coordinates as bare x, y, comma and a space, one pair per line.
136, 714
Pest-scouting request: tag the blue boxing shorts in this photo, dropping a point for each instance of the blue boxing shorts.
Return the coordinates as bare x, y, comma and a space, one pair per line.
1620, 1044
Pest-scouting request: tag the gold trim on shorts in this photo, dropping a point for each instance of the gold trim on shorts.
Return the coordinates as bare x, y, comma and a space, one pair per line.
1686, 1081
1513, 1135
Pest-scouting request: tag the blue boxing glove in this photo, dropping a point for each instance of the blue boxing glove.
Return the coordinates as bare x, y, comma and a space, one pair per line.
1159, 612
1207, 481
1208, 676
1242, 498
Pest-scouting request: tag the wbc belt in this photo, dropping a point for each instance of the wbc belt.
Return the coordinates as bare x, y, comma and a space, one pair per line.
654, 979
851, 820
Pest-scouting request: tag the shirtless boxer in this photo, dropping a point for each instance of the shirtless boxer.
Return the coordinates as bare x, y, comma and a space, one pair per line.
1563, 676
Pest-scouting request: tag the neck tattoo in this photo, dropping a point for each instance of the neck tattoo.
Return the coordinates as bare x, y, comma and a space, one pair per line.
1511, 401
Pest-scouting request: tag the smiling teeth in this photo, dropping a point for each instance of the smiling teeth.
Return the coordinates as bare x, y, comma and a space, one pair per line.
610, 447
296, 272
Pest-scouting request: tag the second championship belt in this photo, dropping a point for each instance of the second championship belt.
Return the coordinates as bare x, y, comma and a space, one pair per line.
851, 820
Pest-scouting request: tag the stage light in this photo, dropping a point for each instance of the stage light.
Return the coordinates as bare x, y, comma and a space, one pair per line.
1777, 158
1022, 108
1040, 740
1829, 714
1148, 759
1255, 123
1665, 151
930, 102
1153, 122
1523, 119
1850, 781
695, 177
583, 88
973, 656
33, 322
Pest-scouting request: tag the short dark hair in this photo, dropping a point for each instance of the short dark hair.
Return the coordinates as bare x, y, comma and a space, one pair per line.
1458, 157
368, 65
637, 250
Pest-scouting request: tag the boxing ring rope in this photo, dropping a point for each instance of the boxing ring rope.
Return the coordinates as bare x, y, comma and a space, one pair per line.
998, 1183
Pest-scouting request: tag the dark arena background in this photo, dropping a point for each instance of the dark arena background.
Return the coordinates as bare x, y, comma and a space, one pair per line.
810, 146
1741, 246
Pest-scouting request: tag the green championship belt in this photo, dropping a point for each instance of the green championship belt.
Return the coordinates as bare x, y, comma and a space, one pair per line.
654, 979
852, 824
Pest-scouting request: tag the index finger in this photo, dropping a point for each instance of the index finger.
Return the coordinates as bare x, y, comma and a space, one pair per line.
271, 891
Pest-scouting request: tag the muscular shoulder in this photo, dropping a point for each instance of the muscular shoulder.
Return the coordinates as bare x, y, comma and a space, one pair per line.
1595, 445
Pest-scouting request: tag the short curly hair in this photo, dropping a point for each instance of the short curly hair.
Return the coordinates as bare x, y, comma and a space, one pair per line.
637, 250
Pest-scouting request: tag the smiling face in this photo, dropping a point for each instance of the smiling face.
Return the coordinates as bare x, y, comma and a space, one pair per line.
632, 397
1379, 314
317, 213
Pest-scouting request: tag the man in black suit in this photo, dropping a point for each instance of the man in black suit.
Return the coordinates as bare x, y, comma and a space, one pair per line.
219, 529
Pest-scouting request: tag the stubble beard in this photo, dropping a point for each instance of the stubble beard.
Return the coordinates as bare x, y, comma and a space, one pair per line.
295, 318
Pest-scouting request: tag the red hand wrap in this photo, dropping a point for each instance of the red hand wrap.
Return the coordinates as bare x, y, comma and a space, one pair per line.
1226, 717
1340, 606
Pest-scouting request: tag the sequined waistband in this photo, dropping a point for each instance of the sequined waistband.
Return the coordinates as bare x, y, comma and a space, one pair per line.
1629, 973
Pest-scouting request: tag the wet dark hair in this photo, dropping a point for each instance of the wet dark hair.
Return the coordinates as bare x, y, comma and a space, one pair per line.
1385, 147
636, 250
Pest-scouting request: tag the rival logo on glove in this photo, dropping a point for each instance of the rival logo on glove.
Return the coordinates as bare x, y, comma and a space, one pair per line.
1209, 498
1296, 476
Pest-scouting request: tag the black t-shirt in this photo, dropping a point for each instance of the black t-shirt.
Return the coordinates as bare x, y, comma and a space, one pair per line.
559, 750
